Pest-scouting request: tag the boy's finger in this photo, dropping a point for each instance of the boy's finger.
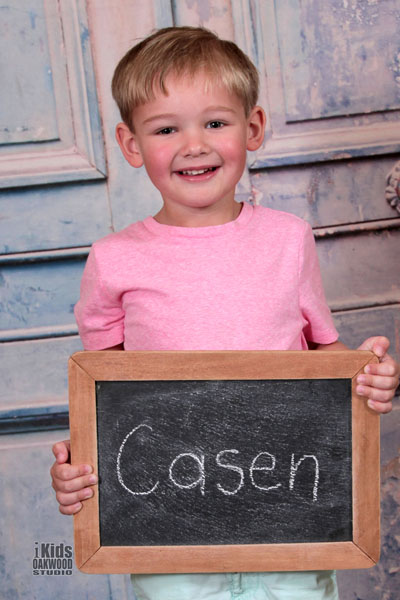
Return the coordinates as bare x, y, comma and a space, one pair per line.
73, 485
377, 395
69, 499
378, 381
70, 510
386, 367
380, 407
66, 472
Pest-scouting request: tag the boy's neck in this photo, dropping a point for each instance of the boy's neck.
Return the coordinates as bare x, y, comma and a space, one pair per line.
199, 217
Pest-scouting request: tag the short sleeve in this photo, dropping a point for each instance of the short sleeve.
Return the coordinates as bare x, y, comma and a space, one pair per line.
318, 327
98, 312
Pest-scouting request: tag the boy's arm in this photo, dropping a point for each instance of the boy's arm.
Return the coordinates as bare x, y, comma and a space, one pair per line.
379, 381
72, 482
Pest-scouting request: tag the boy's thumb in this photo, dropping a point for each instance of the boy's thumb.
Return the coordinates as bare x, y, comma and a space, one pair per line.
61, 451
379, 345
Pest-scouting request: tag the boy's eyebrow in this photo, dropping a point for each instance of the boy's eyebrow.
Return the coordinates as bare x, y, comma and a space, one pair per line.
173, 115
220, 108
158, 117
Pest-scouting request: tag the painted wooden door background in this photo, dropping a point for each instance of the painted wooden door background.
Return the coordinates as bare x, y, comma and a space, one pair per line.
330, 76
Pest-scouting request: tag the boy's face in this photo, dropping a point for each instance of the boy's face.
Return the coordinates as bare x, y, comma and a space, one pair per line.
193, 144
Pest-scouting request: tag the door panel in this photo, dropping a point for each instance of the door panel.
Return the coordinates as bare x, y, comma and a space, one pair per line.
60, 139
356, 325
336, 49
329, 194
39, 295
42, 375
317, 108
42, 218
346, 259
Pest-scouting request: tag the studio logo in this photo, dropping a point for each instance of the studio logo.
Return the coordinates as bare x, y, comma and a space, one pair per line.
52, 559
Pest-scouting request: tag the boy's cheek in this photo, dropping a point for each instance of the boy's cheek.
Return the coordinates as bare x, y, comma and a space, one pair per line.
157, 160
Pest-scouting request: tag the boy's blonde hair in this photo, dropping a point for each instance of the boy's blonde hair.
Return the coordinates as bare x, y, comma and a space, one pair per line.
181, 50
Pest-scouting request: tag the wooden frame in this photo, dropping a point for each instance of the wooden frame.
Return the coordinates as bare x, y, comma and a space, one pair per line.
85, 368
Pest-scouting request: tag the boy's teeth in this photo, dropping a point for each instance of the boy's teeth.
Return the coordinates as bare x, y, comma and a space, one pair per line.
197, 172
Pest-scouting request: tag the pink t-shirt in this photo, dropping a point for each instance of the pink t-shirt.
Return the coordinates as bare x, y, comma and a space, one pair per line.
250, 284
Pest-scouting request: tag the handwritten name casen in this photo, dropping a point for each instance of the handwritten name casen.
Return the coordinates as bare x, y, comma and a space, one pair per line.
262, 462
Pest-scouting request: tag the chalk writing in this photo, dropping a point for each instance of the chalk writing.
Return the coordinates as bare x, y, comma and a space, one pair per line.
201, 479
255, 468
293, 471
120, 479
263, 462
232, 468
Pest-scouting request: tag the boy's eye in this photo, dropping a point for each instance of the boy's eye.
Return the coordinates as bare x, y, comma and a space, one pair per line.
165, 131
215, 124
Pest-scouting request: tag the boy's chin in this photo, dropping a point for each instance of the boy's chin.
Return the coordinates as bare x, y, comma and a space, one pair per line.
199, 212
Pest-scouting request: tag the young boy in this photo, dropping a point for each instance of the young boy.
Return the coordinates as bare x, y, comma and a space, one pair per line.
205, 273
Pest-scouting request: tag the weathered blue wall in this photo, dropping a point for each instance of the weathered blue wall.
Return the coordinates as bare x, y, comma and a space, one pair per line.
330, 74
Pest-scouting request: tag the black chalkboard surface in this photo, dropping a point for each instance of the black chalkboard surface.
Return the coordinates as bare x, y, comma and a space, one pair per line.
215, 461
224, 462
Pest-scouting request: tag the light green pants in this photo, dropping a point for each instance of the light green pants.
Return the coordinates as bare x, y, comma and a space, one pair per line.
301, 585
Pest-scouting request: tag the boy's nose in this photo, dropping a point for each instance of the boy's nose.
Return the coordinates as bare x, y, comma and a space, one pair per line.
195, 144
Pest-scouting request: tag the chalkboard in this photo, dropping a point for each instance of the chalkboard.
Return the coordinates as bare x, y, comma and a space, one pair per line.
224, 461
187, 462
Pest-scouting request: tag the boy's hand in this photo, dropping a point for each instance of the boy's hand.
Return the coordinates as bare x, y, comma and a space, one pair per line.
379, 381
70, 482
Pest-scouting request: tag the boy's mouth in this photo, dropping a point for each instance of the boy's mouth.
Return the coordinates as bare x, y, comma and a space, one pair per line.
193, 172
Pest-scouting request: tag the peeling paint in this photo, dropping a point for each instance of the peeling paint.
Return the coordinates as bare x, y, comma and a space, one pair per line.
395, 67
391, 469
203, 9
84, 34
330, 52
312, 191
256, 195
32, 17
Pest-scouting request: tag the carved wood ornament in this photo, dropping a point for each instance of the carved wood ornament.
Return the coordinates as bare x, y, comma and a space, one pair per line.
392, 191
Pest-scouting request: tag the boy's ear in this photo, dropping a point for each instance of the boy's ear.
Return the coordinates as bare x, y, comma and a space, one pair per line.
256, 128
127, 142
